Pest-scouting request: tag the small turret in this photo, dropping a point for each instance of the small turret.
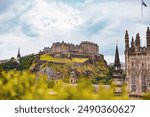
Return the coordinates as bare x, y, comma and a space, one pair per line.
132, 43
137, 42
126, 40
148, 38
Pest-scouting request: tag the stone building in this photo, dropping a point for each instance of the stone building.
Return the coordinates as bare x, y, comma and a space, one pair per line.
117, 74
66, 49
73, 77
137, 64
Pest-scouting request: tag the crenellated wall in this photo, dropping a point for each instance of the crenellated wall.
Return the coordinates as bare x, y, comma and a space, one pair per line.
85, 47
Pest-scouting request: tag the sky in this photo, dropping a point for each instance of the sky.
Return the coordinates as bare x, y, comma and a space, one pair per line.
32, 25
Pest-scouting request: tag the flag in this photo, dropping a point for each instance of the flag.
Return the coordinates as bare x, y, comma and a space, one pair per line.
144, 4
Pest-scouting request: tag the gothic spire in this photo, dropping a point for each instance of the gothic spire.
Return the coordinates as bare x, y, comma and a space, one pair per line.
117, 59
117, 74
18, 55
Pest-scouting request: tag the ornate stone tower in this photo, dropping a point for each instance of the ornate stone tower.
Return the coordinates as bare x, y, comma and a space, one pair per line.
137, 62
117, 74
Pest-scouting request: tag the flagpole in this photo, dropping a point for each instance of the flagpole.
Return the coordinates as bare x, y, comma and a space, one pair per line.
142, 11
142, 19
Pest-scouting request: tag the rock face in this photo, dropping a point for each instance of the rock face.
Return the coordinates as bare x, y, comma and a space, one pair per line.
137, 64
70, 71
49, 72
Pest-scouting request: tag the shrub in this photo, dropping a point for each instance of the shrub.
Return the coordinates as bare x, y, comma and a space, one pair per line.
27, 86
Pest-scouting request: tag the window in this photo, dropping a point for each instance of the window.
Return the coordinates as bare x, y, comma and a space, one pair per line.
133, 83
132, 64
116, 68
143, 83
142, 64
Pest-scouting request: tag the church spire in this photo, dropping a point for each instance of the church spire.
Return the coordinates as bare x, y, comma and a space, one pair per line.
117, 59
18, 55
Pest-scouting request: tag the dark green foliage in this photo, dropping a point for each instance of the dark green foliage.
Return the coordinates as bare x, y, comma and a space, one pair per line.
11, 64
104, 79
110, 73
24, 64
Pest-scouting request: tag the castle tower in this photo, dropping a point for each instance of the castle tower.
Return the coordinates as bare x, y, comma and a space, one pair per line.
148, 38
126, 40
117, 74
18, 55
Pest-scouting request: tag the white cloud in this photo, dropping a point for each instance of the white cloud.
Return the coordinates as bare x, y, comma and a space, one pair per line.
33, 24
51, 17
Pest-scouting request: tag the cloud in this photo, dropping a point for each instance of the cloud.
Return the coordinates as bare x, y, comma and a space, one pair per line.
33, 24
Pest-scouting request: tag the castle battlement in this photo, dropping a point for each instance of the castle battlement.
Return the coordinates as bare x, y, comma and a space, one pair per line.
88, 42
85, 47
135, 46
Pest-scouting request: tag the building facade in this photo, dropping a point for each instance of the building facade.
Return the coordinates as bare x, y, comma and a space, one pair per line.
137, 64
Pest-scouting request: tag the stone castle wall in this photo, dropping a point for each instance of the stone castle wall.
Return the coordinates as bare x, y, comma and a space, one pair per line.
84, 47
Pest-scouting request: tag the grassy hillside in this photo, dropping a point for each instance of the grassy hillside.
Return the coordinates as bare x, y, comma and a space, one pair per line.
46, 57
96, 73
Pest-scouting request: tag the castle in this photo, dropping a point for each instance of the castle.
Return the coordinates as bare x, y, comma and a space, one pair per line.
84, 49
137, 64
